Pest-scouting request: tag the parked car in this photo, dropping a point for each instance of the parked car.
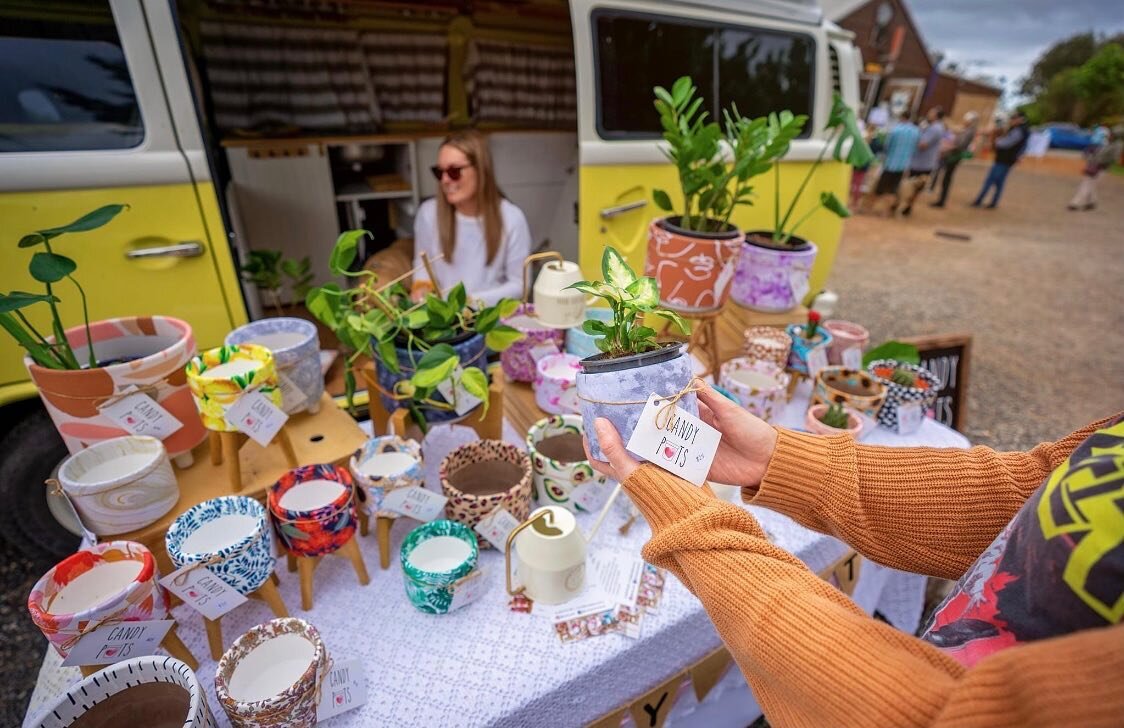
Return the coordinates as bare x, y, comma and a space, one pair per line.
1068, 136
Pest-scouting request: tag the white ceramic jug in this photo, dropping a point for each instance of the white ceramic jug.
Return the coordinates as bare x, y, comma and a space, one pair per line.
549, 550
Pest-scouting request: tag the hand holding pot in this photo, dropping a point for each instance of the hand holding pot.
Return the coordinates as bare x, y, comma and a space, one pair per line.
747, 441
620, 464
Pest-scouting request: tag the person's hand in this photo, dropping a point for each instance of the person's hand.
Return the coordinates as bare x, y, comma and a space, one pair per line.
747, 442
620, 464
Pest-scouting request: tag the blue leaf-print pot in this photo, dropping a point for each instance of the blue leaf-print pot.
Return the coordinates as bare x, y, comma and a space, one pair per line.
241, 542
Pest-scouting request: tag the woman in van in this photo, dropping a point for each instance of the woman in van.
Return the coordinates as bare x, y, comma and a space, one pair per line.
482, 237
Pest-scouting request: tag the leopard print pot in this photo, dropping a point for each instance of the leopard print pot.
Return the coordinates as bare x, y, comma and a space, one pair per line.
469, 507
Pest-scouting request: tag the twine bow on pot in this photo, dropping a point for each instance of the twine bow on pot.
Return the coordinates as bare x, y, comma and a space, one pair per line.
663, 415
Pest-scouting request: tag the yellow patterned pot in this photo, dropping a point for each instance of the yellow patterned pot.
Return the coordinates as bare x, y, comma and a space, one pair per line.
218, 377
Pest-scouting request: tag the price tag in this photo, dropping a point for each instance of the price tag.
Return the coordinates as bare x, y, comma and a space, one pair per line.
119, 641
798, 282
909, 417
496, 526
139, 414
344, 688
291, 395
203, 590
256, 416
591, 495
680, 443
468, 589
817, 360
543, 350
415, 502
463, 402
853, 358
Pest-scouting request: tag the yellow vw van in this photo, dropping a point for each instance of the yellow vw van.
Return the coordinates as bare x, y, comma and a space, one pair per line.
230, 126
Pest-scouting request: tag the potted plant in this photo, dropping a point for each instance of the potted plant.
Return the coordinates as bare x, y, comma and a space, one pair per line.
692, 254
804, 340
631, 365
907, 385
82, 369
832, 419
418, 349
772, 273
266, 268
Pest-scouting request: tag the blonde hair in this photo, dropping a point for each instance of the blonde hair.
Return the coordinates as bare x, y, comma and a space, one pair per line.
474, 146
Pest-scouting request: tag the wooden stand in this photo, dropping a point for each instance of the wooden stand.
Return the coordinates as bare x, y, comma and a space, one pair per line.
171, 643
488, 428
383, 526
267, 593
704, 335
307, 565
225, 447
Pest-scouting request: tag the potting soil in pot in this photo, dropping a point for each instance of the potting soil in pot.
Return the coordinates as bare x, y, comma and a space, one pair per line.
486, 478
565, 448
149, 704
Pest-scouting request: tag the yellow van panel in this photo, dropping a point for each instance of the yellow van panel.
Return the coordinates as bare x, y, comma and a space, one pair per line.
203, 290
603, 187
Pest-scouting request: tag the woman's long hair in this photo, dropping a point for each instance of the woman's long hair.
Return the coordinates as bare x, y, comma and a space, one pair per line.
474, 146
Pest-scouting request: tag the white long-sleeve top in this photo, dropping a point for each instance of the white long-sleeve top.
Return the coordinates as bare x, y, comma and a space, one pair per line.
503, 278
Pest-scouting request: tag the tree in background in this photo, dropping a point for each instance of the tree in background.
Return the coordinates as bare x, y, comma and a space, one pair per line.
1079, 79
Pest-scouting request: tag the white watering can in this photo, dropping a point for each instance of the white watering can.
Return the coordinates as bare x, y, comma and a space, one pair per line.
556, 307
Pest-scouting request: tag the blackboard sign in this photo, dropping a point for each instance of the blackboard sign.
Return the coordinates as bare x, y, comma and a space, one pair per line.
947, 356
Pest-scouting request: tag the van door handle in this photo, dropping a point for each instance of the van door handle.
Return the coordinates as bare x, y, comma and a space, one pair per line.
610, 212
187, 249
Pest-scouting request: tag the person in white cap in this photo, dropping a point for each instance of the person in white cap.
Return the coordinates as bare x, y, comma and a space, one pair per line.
961, 149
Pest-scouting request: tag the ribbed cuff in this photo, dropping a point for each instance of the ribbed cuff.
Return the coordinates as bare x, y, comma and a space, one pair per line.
799, 471
664, 498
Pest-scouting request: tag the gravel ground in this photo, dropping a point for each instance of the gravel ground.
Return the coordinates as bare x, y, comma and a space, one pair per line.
1041, 290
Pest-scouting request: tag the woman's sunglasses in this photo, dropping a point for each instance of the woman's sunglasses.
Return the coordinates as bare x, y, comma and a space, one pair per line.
453, 172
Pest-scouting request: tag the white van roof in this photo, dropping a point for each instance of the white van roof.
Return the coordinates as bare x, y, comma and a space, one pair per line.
797, 11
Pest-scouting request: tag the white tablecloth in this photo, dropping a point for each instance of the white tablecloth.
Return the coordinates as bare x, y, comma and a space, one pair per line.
487, 666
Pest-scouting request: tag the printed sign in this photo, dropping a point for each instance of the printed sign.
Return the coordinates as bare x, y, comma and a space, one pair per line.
344, 688
817, 360
203, 590
139, 414
415, 502
463, 402
592, 494
496, 526
853, 358
678, 442
468, 590
291, 395
119, 641
256, 416
798, 282
909, 417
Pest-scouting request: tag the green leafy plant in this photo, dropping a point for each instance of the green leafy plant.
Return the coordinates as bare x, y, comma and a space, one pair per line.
843, 128
903, 377
835, 416
50, 268
712, 187
897, 350
629, 296
268, 269
299, 273
378, 321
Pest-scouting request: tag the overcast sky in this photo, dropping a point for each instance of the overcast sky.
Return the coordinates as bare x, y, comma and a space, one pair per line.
1004, 37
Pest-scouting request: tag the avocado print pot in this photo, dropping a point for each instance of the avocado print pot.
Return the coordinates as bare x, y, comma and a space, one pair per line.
558, 460
219, 377
296, 355
434, 557
314, 509
481, 476
154, 692
384, 464
618, 389
231, 535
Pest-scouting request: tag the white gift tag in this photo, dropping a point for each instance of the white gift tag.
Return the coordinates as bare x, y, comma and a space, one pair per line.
291, 395
462, 400
256, 416
798, 282
119, 641
592, 494
817, 360
909, 417
496, 526
344, 688
415, 502
853, 358
468, 589
203, 590
542, 350
139, 414
684, 445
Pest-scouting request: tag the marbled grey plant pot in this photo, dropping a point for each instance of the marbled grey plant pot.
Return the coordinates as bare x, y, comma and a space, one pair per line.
618, 389
297, 359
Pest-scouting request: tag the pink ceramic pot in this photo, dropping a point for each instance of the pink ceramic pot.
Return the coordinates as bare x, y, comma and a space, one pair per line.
813, 424
555, 388
760, 386
844, 335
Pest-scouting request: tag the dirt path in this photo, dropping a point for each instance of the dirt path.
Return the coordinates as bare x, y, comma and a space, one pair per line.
1040, 288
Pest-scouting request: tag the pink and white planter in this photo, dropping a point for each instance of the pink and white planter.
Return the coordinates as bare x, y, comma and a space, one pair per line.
759, 386
517, 360
555, 384
844, 335
769, 279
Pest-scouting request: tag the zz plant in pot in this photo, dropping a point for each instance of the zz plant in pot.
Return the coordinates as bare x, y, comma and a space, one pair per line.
692, 254
418, 348
773, 270
269, 270
631, 365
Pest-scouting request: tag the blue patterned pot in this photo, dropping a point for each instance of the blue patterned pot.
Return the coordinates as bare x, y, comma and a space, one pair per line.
581, 344
245, 564
375, 487
296, 354
471, 352
432, 591
620, 393
801, 347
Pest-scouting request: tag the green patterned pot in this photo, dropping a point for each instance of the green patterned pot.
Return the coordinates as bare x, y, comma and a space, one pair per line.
433, 571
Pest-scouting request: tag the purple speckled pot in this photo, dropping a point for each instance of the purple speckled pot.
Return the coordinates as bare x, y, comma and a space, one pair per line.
518, 364
767, 279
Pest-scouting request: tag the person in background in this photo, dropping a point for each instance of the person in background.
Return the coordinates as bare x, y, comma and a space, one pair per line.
1008, 148
961, 149
900, 146
483, 237
1031, 635
926, 158
1097, 160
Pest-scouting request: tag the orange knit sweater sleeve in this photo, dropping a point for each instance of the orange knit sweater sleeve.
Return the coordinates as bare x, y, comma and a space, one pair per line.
925, 510
813, 658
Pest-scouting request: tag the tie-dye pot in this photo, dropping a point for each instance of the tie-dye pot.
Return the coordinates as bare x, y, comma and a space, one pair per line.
518, 364
296, 354
434, 557
384, 464
558, 460
313, 508
231, 535
759, 386
219, 377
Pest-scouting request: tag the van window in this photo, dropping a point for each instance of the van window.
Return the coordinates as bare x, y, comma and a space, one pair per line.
759, 70
64, 84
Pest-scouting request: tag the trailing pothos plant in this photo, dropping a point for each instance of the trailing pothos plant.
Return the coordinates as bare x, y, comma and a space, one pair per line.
629, 296
50, 268
378, 321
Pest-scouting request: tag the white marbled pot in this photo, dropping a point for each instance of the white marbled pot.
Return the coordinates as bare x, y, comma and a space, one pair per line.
296, 353
120, 485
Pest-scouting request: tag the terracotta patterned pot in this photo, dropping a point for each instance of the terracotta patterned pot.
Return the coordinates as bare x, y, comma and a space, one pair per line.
112, 580
898, 396
470, 504
768, 279
768, 343
272, 675
296, 354
693, 271
219, 377
855, 389
518, 364
555, 384
844, 335
813, 424
313, 509
431, 578
234, 532
555, 479
143, 691
161, 345
384, 464
801, 347
759, 386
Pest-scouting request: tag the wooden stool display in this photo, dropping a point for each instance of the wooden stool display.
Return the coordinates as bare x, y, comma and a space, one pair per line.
382, 465
315, 513
704, 336
171, 643
267, 593
225, 447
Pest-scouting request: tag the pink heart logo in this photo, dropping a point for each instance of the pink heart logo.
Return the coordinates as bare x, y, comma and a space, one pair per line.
249, 421
130, 421
193, 594
669, 452
339, 700
111, 652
